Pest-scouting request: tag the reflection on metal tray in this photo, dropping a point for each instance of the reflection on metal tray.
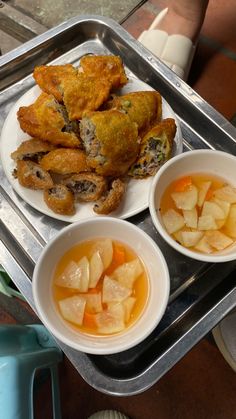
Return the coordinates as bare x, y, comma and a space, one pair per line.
200, 295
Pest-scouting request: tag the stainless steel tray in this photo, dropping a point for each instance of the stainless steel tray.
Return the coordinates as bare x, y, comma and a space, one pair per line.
201, 294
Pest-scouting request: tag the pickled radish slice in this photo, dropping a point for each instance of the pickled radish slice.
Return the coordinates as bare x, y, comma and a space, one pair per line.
227, 193
230, 225
218, 240
105, 248
191, 238
93, 302
72, 276
224, 205
191, 217
211, 208
173, 221
127, 273
83, 265
72, 309
202, 192
113, 291
111, 320
186, 200
128, 306
207, 222
96, 269
203, 246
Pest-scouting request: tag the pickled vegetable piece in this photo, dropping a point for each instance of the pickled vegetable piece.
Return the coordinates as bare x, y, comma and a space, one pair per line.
105, 248
224, 205
211, 208
128, 305
93, 302
72, 309
191, 238
127, 273
83, 265
71, 277
207, 222
191, 217
230, 225
203, 246
202, 192
218, 240
186, 200
111, 320
173, 221
112, 291
227, 193
96, 269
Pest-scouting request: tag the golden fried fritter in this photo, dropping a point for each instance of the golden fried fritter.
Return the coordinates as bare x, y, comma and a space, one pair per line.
156, 147
144, 108
65, 161
87, 186
31, 175
46, 120
33, 149
84, 93
112, 199
50, 77
60, 200
107, 66
111, 142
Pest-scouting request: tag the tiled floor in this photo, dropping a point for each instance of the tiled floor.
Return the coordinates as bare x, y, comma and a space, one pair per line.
201, 385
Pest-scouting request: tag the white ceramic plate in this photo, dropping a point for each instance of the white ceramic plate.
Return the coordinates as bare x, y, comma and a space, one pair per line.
136, 198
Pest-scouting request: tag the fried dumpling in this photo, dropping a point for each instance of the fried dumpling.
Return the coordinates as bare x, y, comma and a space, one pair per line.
109, 67
156, 147
65, 161
31, 175
86, 187
50, 78
111, 142
84, 93
60, 199
46, 119
33, 149
111, 200
143, 108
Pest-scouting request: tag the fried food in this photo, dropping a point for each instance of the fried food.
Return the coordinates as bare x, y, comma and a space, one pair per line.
112, 199
46, 120
31, 175
144, 108
106, 66
86, 186
33, 149
84, 93
50, 78
111, 142
156, 147
65, 161
60, 200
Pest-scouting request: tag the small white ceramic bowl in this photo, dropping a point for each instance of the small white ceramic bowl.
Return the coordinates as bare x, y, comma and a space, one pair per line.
213, 162
144, 247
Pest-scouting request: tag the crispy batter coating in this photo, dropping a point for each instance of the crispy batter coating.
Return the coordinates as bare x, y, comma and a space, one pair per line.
50, 77
33, 149
60, 200
112, 199
111, 142
156, 147
31, 175
144, 108
84, 93
46, 120
65, 161
86, 187
107, 66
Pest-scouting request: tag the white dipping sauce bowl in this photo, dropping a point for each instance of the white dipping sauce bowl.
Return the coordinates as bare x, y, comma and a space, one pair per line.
145, 248
212, 162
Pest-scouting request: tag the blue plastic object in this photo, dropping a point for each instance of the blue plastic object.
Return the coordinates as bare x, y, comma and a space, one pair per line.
23, 351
